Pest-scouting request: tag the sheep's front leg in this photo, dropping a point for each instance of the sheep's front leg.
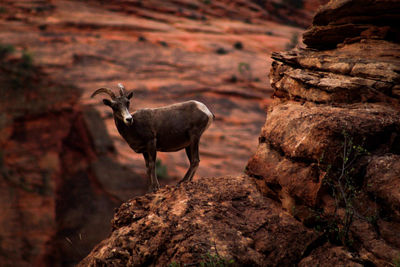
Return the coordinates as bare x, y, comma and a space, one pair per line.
150, 158
148, 172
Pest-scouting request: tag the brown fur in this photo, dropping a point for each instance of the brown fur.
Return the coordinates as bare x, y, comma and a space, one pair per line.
167, 129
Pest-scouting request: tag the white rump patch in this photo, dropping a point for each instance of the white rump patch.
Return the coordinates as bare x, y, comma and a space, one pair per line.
204, 108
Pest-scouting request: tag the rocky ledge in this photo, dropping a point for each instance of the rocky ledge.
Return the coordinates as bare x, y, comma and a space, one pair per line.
225, 216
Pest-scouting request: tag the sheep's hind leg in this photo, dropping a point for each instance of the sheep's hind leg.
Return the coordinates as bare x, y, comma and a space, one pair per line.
192, 153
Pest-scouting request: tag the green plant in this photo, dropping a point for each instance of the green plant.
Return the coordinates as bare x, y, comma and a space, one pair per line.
396, 261
26, 61
6, 50
174, 264
215, 260
341, 181
221, 51
245, 70
208, 260
238, 45
161, 170
22, 73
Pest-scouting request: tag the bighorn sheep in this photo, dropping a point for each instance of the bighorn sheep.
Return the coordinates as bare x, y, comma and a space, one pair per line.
167, 129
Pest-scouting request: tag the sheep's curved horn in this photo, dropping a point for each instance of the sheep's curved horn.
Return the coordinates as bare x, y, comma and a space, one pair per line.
121, 89
104, 90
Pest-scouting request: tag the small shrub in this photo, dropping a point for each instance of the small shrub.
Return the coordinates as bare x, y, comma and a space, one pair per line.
396, 261
245, 70
161, 170
221, 51
243, 67
238, 45
215, 260
142, 39
342, 183
19, 71
233, 79
208, 260
42, 27
23, 72
174, 264
26, 61
163, 43
5, 50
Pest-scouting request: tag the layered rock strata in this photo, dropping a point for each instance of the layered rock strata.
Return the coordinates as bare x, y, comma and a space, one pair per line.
336, 95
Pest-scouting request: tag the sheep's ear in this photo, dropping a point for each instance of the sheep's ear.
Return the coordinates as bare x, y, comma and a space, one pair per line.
129, 96
107, 102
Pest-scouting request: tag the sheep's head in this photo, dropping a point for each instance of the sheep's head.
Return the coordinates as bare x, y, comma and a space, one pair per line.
119, 104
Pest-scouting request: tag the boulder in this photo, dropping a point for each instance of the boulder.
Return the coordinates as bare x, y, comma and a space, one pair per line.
224, 216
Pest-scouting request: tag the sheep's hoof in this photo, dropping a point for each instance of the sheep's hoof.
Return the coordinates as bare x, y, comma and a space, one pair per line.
153, 189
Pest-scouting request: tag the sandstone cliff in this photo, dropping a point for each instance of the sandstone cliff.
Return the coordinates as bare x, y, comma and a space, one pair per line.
62, 170
322, 188
331, 138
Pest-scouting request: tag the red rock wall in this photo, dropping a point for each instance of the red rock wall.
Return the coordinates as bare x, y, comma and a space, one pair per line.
339, 94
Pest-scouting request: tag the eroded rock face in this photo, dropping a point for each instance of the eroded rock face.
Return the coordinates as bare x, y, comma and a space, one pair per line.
366, 71
344, 87
296, 137
328, 255
224, 215
382, 180
348, 21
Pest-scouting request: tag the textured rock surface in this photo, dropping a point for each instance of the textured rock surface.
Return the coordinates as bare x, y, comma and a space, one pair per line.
382, 179
328, 255
366, 71
297, 136
225, 215
339, 94
347, 21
